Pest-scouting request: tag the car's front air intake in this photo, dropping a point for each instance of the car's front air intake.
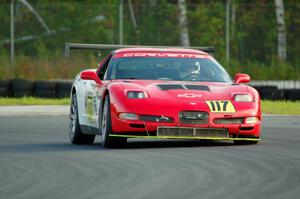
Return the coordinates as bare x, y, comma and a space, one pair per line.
193, 117
191, 132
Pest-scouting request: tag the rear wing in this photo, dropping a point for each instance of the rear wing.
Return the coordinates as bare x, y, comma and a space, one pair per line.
69, 46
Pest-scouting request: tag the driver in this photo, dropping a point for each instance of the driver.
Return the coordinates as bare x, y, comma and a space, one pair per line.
189, 69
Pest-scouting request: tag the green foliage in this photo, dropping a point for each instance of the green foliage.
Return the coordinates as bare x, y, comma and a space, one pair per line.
260, 71
206, 25
6, 101
253, 34
4, 66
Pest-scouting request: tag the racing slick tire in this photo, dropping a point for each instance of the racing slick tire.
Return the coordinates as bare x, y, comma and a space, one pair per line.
44, 89
292, 94
63, 89
106, 128
4, 88
75, 134
21, 88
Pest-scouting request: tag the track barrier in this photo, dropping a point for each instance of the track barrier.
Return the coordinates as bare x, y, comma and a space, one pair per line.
41, 88
62, 88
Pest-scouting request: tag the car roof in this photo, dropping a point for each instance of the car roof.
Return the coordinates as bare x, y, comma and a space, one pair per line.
159, 50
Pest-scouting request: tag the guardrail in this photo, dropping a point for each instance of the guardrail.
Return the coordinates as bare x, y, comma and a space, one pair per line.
278, 89
271, 90
281, 84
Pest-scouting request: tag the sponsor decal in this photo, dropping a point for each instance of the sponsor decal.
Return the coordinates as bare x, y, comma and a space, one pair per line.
221, 106
91, 106
161, 54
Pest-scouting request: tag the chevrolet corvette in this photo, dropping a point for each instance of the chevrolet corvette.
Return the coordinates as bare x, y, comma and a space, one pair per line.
162, 93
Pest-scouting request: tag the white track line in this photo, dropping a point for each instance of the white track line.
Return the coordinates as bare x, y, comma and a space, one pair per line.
33, 110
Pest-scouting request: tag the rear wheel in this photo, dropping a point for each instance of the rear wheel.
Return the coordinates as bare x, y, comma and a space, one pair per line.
75, 134
106, 128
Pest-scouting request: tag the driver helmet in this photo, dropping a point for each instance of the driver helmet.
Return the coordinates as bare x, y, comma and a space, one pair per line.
191, 67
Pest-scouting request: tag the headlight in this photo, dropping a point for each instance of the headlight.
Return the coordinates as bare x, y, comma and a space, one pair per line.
136, 94
243, 98
128, 116
251, 120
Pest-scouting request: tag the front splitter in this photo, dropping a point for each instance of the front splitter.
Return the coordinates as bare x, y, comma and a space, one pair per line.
185, 137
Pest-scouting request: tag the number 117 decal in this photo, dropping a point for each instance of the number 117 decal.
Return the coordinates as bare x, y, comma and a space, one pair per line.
222, 106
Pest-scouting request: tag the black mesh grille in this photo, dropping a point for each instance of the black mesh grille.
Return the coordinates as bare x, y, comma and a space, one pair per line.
191, 132
228, 121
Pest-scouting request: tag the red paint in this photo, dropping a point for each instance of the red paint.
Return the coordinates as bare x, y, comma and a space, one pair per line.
170, 102
167, 103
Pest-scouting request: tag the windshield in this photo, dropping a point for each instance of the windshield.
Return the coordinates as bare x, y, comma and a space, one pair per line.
158, 68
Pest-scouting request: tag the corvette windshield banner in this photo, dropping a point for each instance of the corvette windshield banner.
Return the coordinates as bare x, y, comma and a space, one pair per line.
160, 54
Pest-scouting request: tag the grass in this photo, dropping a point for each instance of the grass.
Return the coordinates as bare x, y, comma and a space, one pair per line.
32, 101
281, 107
270, 107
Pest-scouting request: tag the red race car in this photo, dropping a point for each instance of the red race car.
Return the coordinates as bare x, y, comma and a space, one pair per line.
162, 93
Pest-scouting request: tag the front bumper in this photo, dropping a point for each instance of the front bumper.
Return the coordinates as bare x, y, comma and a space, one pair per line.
142, 128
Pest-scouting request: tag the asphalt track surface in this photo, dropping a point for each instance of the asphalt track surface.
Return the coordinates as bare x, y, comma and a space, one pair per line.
37, 161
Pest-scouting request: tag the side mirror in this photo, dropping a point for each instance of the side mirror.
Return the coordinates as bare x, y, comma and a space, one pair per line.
90, 75
241, 78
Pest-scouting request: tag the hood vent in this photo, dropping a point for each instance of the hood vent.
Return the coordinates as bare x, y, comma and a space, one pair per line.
197, 87
165, 87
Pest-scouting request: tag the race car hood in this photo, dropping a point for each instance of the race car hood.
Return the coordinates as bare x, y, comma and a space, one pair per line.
183, 90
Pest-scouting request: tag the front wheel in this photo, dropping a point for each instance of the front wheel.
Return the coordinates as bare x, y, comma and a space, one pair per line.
75, 134
106, 128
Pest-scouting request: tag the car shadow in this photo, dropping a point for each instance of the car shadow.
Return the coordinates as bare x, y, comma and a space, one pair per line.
176, 144
131, 144
47, 147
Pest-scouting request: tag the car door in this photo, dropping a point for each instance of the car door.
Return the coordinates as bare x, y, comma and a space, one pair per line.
84, 90
94, 94
89, 96
90, 101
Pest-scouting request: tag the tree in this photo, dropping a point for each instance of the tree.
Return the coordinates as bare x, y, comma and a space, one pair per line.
183, 28
281, 30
